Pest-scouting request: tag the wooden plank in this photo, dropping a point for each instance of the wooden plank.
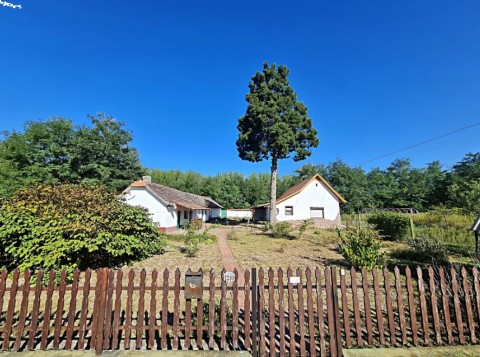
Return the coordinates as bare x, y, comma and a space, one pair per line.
176, 313
96, 306
320, 313
117, 312
366, 304
401, 308
378, 307
101, 311
10, 310
107, 331
336, 312
188, 323
433, 297
35, 310
271, 313
457, 304
223, 312
291, 315
164, 327
71, 310
235, 313
423, 307
476, 287
356, 307
23, 310
468, 303
211, 312
128, 312
84, 311
411, 306
310, 313
261, 311
281, 312
3, 287
388, 302
200, 315
446, 306
301, 314
48, 310
330, 313
153, 310
141, 310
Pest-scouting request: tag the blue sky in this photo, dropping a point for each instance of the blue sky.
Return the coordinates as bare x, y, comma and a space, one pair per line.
376, 76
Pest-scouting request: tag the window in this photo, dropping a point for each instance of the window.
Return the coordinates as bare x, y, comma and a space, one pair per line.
185, 214
288, 210
317, 212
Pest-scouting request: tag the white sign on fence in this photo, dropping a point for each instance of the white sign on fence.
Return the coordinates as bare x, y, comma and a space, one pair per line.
229, 277
294, 280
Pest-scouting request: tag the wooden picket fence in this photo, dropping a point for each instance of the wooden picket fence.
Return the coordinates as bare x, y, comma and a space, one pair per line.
308, 313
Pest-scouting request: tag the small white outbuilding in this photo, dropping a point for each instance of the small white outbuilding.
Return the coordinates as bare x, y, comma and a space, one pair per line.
313, 198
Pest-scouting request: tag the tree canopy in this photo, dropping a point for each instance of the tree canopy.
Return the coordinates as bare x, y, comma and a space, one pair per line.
57, 151
275, 125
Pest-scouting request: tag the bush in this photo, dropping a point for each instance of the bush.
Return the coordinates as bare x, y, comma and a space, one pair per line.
74, 226
428, 251
193, 239
303, 226
391, 226
281, 229
265, 227
232, 235
361, 248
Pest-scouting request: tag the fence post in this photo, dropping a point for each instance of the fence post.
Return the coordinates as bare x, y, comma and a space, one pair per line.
336, 312
254, 318
101, 312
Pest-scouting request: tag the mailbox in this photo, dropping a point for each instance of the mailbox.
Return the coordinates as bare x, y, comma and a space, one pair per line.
193, 285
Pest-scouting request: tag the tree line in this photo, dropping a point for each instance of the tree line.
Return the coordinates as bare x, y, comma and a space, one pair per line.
57, 151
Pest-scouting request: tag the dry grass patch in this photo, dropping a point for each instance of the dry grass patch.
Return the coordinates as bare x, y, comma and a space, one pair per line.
254, 249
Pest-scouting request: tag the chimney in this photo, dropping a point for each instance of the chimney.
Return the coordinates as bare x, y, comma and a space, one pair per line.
147, 179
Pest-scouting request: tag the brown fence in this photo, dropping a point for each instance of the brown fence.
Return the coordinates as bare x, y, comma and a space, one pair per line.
306, 313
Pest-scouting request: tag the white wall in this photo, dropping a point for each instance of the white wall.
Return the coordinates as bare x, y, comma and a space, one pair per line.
316, 194
139, 196
239, 214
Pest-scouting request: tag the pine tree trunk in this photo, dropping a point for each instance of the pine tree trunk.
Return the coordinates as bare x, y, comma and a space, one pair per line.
273, 191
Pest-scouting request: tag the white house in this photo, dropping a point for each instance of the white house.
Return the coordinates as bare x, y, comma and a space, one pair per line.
312, 198
170, 208
239, 213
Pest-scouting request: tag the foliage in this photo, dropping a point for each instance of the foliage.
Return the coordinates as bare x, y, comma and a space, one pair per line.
361, 248
275, 124
74, 226
424, 250
265, 226
303, 226
281, 229
232, 235
193, 239
56, 151
392, 226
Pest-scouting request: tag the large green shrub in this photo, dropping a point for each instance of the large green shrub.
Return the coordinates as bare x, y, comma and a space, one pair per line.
74, 226
392, 226
361, 248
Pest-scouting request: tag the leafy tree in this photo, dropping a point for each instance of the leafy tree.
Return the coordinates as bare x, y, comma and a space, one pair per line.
74, 226
275, 124
308, 170
56, 151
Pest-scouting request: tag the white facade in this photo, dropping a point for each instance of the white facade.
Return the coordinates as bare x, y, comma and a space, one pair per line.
311, 202
160, 213
239, 213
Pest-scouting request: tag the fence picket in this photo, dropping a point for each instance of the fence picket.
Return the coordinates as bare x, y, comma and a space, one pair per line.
356, 307
235, 310
291, 315
401, 309
59, 313
152, 318
223, 312
271, 313
71, 310
378, 307
35, 310
310, 313
281, 312
246, 310
129, 310
388, 302
446, 307
84, 312
301, 313
141, 309
320, 313
423, 306
261, 311
468, 303
458, 309
433, 297
211, 311
10, 310
23, 310
176, 313
48, 309
117, 310
164, 326
330, 312
108, 309
411, 306
200, 319
476, 287
366, 302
